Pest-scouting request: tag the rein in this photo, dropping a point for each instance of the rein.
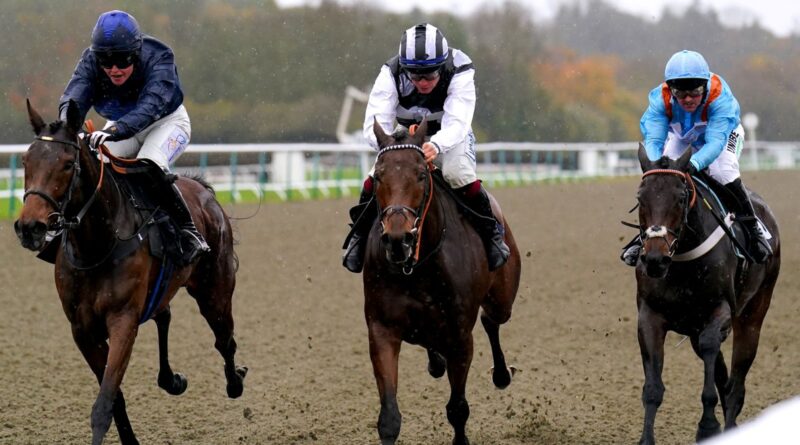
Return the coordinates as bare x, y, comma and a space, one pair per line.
686, 176
62, 222
119, 247
107, 153
661, 231
420, 214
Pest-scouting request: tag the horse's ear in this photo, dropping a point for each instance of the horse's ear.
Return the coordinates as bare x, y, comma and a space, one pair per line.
384, 140
36, 121
644, 161
682, 163
73, 116
421, 132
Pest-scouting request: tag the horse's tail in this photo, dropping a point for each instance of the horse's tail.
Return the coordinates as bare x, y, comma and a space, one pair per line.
204, 183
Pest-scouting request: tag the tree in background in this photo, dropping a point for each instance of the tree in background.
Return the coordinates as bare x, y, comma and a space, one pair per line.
253, 72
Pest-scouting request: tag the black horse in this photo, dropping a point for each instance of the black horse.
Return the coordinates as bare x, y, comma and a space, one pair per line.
690, 280
425, 278
105, 275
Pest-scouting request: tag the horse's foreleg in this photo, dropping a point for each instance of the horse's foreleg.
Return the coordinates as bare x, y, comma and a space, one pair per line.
501, 373
122, 332
746, 335
215, 306
458, 363
96, 354
707, 346
721, 381
384, 350
652, 331
172, 383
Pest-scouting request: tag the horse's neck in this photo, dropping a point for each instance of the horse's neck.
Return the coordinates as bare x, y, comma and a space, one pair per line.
701, 221
442, 208
103, 216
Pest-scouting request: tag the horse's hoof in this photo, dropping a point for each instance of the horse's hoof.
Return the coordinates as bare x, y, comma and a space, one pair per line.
236, 383
502, 377
461, 441
175, 384
704, 432
437, 366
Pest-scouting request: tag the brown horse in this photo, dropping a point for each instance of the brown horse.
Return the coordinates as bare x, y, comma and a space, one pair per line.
104, 290
690, 280
425, 278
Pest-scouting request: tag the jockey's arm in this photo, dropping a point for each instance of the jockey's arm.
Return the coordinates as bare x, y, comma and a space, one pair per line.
80, 87
654, 125
723, 118
459, 107
161, 86
382, 105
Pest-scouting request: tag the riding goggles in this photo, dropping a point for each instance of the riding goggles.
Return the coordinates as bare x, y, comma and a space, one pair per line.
416, 77
121, 60
682, 94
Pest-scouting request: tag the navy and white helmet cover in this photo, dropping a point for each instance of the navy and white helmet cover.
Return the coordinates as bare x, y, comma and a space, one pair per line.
423, 47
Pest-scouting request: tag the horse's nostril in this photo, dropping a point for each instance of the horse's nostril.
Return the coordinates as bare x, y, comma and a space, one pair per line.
33, 229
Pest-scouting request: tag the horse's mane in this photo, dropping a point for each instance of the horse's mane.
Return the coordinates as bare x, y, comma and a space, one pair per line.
53, 127
664, 162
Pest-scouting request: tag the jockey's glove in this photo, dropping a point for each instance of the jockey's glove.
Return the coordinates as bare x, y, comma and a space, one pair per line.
98, 138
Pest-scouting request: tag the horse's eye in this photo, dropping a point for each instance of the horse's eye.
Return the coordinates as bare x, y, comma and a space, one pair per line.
421, 177
69, 165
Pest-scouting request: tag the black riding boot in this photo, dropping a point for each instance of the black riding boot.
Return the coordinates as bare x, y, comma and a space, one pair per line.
192, 242
363, 216
632, 251
760, 249
489, 229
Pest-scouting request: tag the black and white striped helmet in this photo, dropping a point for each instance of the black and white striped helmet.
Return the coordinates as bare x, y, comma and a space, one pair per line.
423, 48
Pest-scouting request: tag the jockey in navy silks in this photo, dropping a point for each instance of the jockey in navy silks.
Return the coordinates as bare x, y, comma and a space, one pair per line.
131, 79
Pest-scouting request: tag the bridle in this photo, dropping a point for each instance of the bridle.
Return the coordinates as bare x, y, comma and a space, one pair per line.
687, 203
61, 221
417, 214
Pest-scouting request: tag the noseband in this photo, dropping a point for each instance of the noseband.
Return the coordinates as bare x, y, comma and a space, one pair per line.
654, 231
418, 214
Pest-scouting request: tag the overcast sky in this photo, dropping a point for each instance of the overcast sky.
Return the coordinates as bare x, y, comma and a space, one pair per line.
782, 17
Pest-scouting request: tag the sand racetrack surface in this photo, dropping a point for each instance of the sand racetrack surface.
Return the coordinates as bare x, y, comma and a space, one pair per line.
301, 331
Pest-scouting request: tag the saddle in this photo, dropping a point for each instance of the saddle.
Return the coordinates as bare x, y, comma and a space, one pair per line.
141, 183
728, 203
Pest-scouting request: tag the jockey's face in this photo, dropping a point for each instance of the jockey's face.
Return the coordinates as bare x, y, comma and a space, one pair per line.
425, 83
689, 100
119, 76
425, 86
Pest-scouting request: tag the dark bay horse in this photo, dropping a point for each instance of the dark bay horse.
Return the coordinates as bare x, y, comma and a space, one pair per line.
698, 288
425, 278
104, 295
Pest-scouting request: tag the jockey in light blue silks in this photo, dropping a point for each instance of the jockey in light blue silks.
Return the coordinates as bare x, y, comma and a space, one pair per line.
696, 108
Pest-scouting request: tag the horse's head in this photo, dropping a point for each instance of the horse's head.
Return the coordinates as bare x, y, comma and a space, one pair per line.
403, 187
666, 194
51, 171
